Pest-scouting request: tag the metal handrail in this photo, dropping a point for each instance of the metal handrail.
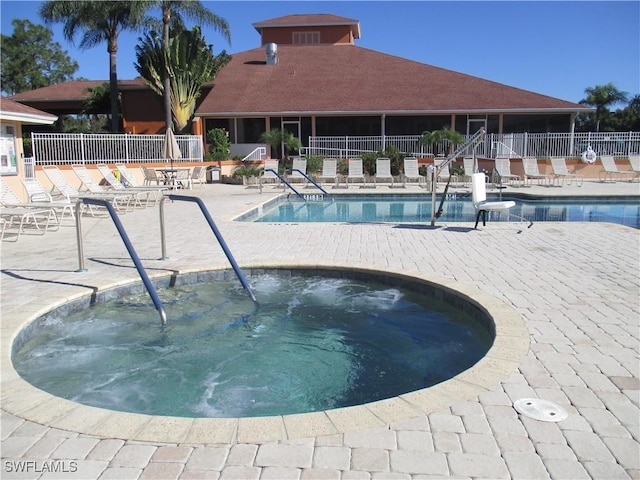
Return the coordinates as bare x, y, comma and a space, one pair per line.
125, 238
214, 229
282, 179
259, 152
472, 142
310, 180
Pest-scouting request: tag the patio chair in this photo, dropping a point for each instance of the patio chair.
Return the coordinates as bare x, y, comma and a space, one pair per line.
120, 200
480, 203
503, 169
330, 171
139, 193
634, 161
531, 172
298, 165
561, 172
183, 179
610, 170
39, 196
412, 172
355, 171
151, 176
198, 176
383, 170
444, 174
13, 209
270, 173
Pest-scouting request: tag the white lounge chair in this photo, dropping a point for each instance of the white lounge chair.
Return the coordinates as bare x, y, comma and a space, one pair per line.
532, 172
330, 171
634, 160
561, 172
412, 172
148, 194
610, 170
480, 203
383, 170
13, 209
355, 171
503, 169
298, 165
39, 196
269, 173
120, 200
444, 174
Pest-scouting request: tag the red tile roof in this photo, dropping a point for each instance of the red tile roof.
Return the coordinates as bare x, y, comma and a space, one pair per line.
306, 20
333, 79
74, 90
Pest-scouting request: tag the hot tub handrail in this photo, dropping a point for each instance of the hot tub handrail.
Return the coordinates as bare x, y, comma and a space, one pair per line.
216, 232
125, 238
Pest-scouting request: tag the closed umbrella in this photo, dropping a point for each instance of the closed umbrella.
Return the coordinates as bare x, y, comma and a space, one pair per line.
170, 148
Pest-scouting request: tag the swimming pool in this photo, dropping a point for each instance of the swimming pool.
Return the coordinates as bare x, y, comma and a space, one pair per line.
417, 209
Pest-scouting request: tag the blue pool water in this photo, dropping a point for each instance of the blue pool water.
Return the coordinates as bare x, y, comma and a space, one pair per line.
313, 343
417, 209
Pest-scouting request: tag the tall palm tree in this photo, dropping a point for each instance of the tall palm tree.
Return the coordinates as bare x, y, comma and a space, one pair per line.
193, 10
190, 62
601, 97
98, 22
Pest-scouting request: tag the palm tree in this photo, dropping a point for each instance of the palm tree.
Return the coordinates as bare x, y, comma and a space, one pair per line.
601, 97
98, 22
194, 10
190, 63
444, 137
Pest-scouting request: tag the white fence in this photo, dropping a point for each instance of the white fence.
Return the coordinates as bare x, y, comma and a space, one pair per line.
539, 145
84, 148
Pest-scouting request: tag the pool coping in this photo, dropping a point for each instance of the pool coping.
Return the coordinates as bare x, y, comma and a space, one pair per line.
509, 349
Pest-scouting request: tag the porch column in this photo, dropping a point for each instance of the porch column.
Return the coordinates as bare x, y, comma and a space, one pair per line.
383, 131
453, 121
500, 123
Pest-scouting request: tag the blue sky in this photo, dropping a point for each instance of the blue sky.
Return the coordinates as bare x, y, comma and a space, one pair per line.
553, 48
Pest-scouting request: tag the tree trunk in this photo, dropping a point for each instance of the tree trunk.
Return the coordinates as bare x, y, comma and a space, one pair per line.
113, 92
166, 17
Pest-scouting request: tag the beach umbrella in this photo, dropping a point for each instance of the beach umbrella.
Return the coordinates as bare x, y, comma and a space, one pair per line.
170, 148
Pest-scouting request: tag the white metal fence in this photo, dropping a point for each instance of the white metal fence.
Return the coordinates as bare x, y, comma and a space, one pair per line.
539, 145
84, 148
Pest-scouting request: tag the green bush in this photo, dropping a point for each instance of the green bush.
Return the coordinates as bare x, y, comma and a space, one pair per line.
314, 164
246, 172
219, 144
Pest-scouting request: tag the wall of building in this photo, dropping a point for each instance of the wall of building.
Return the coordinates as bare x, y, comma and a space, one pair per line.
329, 34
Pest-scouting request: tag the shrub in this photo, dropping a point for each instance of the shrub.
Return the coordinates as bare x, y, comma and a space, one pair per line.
314, 164
246, 172
219, 144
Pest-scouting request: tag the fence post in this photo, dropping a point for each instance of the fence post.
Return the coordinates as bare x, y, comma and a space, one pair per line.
126, 147
82, 155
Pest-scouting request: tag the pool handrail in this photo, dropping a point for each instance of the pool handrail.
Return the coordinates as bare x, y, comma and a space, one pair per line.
125, 238
283, 180
214, 229
310, 180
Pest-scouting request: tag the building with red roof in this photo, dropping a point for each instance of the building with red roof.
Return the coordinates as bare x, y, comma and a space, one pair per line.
309, 77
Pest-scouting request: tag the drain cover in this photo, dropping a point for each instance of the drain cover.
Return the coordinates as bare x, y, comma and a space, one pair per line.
542, 410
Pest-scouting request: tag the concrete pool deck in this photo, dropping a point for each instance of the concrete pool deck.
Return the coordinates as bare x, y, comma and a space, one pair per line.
575, 286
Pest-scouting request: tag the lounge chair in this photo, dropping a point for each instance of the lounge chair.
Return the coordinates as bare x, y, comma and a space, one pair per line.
298, 165
561, 172
355, 171
412, 172
480, 203
269, 173
13, 209
634, 160
197, 176
444, 174
139, 193
503, 169
39, 196
128, 178
330, 171
531, 172
120, 200
383, 170
610, 170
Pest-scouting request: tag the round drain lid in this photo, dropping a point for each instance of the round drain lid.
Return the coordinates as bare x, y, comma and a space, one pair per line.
542, 410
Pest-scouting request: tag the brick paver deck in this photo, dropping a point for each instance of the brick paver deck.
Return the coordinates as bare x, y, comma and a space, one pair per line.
576, 285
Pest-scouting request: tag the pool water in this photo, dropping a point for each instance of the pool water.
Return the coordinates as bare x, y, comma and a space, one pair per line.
313, 343
417, 209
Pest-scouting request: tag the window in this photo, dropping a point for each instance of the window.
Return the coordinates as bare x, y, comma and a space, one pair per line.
8, 152
306, 38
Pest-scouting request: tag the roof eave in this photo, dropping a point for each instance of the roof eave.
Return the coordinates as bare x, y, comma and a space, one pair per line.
28, 118
395, 112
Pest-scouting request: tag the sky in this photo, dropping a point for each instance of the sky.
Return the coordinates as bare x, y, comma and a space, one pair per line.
552, 48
